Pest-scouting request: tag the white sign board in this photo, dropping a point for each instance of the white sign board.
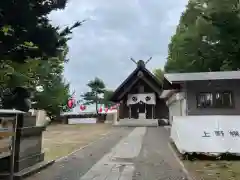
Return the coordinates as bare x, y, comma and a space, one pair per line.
82, 120
206, 134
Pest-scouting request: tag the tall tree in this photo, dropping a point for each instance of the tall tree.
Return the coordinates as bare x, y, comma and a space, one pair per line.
97, 88
207, 38
53, 98
25, 30
33, 52
46, 74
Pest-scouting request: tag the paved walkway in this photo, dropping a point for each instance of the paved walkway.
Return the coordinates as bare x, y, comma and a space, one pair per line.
156, 161
127, 154
116, 165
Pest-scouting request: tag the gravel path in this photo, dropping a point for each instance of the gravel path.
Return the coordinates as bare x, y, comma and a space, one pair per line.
156, 161
79, 163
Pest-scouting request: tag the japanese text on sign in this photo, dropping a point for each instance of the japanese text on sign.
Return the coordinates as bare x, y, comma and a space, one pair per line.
232, 133
209, 134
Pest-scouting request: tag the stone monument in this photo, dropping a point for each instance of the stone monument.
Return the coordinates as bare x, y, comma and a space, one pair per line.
28, 155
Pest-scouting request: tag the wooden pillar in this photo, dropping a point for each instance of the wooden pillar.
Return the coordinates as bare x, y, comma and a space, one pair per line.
130, 112
152, 111
121, 111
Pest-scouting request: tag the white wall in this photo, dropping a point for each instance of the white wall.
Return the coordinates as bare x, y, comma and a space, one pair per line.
214, 134
184, 107
177, 105
82, 120
111, 117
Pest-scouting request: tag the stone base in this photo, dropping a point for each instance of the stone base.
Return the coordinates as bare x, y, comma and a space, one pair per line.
137, 123
27, 171
28, 147
28, 161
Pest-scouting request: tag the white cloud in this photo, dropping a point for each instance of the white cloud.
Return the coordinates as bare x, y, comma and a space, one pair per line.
114, 31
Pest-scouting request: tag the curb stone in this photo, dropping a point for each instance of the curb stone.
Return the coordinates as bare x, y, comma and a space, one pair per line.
189, 177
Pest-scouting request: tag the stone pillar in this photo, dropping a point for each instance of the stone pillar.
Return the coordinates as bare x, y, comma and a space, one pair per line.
28, 146
115, 118
29, 157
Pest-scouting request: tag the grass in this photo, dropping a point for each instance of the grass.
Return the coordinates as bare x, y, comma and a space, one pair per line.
60, 140
213, 170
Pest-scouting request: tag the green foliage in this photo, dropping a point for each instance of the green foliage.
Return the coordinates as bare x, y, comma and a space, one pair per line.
89, 98
107, 95
33, 52
159, 74
97, 88
25, 30
55, 91
46, 74
207, 38
106, 98
54, 97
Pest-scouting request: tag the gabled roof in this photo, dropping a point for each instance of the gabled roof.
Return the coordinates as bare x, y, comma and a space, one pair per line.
182, 77
134, 77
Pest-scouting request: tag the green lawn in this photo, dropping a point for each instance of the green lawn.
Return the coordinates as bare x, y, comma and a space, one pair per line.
213, 170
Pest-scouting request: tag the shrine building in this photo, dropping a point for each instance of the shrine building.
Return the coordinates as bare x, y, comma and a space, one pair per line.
139, 95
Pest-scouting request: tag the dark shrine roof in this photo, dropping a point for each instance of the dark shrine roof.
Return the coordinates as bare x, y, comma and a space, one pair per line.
140, 73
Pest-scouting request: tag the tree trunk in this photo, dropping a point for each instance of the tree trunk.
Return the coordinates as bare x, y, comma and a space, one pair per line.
97, 108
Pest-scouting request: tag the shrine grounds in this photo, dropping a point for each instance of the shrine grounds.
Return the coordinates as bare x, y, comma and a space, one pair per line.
126, 153
78, 149
61, 140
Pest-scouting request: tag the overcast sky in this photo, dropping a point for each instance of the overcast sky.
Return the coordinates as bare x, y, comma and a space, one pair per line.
116, 30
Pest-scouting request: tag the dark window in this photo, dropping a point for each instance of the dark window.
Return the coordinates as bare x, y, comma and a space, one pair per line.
215, 100
223, 99
204, 100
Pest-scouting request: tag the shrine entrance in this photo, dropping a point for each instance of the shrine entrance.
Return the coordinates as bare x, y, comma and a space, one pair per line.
141, 106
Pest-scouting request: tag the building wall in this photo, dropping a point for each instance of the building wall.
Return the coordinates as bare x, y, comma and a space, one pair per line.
177, 105
123, 109
194, 87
